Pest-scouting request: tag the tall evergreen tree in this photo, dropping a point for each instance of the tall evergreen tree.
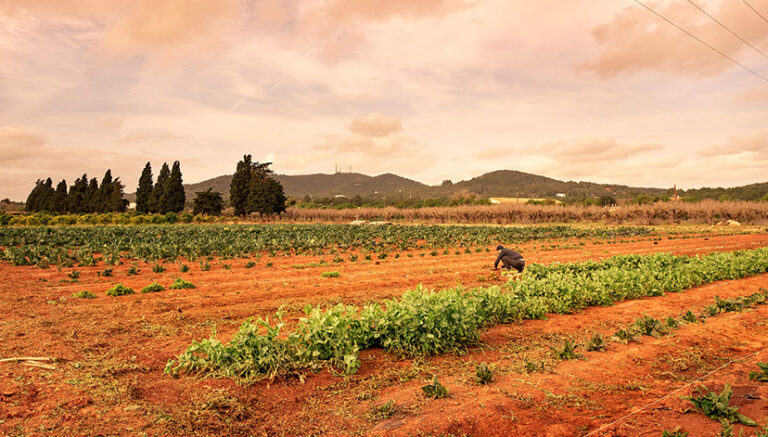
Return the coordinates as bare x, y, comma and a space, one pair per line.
238, 189
91, 201
105, 192
144, 191
155, 200
173, 197
46, 196
116, 201
76, 198
33, 200
59, 201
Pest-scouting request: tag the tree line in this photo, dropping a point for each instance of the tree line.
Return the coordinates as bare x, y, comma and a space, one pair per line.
163, 196
85, 196
253, 190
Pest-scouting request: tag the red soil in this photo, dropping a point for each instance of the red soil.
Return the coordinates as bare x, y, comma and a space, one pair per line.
112, 352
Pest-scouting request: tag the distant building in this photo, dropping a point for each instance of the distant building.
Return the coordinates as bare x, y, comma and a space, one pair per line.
132, 206
561, 195
494, 201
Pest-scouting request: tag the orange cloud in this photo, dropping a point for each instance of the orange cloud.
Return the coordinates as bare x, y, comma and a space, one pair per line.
635, 39
755, 143
135, 27
375, 125
17, 144
593, 150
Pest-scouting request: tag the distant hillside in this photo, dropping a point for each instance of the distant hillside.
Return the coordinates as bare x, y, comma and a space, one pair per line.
321, 185
502, 183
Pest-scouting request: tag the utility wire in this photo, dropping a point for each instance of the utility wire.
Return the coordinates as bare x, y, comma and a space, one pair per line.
728, 29
755, 11
765, 79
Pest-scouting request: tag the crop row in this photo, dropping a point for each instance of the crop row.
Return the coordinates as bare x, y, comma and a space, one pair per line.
424, 322
28, 246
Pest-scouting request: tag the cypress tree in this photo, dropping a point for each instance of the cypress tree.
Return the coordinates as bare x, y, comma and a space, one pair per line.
239, 188
144, 191
59, 201
76, 198
46, 196
91, 201
33, 200
155, 200
105, 192
173, 197
116, 201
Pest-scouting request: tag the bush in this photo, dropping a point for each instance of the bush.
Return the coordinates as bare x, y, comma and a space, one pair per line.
152, 288
331, 274
180, 284
85, 294
119, 290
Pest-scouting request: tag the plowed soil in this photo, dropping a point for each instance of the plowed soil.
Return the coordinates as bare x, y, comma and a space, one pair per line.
110, 353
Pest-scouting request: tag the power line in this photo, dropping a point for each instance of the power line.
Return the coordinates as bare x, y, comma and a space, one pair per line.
726, 28
703, 42
755, 11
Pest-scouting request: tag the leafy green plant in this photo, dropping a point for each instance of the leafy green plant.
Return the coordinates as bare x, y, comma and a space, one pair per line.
672, 323
689, 317
85, 294
183, 268
484, 373
762, 375
180, 284
333, 274
250, 264
435, 390
625, 335
133, 271
119, 290
158, 268
567, 351
647, 325
353, 258
718, 406
205, 265
106, 273
384, 411
152, 288
596, 343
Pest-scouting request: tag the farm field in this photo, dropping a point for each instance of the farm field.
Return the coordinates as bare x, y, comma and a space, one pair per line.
111, 352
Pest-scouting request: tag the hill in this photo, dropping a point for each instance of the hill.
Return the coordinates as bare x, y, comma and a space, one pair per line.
501, 183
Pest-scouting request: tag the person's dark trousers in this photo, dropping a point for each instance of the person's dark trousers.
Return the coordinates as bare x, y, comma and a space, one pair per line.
509, 263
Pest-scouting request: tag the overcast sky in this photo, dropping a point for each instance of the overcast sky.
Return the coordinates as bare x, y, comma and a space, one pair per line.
597, 90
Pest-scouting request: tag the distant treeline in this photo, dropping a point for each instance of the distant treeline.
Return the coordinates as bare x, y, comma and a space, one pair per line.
83, 197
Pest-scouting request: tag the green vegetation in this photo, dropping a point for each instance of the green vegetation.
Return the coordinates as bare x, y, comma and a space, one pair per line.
333, 274
180, 284
85, 294
119, 290
152, 288
435, 390
424, 322
207, 202
762, 375
254, 190
596, 343
718, 406
484, 373
27, 245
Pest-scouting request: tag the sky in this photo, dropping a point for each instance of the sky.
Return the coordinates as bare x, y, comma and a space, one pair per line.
594, 90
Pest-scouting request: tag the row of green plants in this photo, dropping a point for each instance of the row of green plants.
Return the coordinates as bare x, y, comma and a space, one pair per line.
69, 245
123, 290
424, 322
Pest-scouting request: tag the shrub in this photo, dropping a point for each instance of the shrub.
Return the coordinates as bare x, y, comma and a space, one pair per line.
152, 288
435, 390
85, 294
333, 274
119, 290
180, 284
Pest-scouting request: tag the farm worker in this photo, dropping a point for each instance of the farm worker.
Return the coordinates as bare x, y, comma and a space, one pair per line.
509, 259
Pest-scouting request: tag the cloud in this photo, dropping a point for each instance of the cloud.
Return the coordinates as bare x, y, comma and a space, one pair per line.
163, 28
375, 125
593, 150
18, 144
754, 144
635, 39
